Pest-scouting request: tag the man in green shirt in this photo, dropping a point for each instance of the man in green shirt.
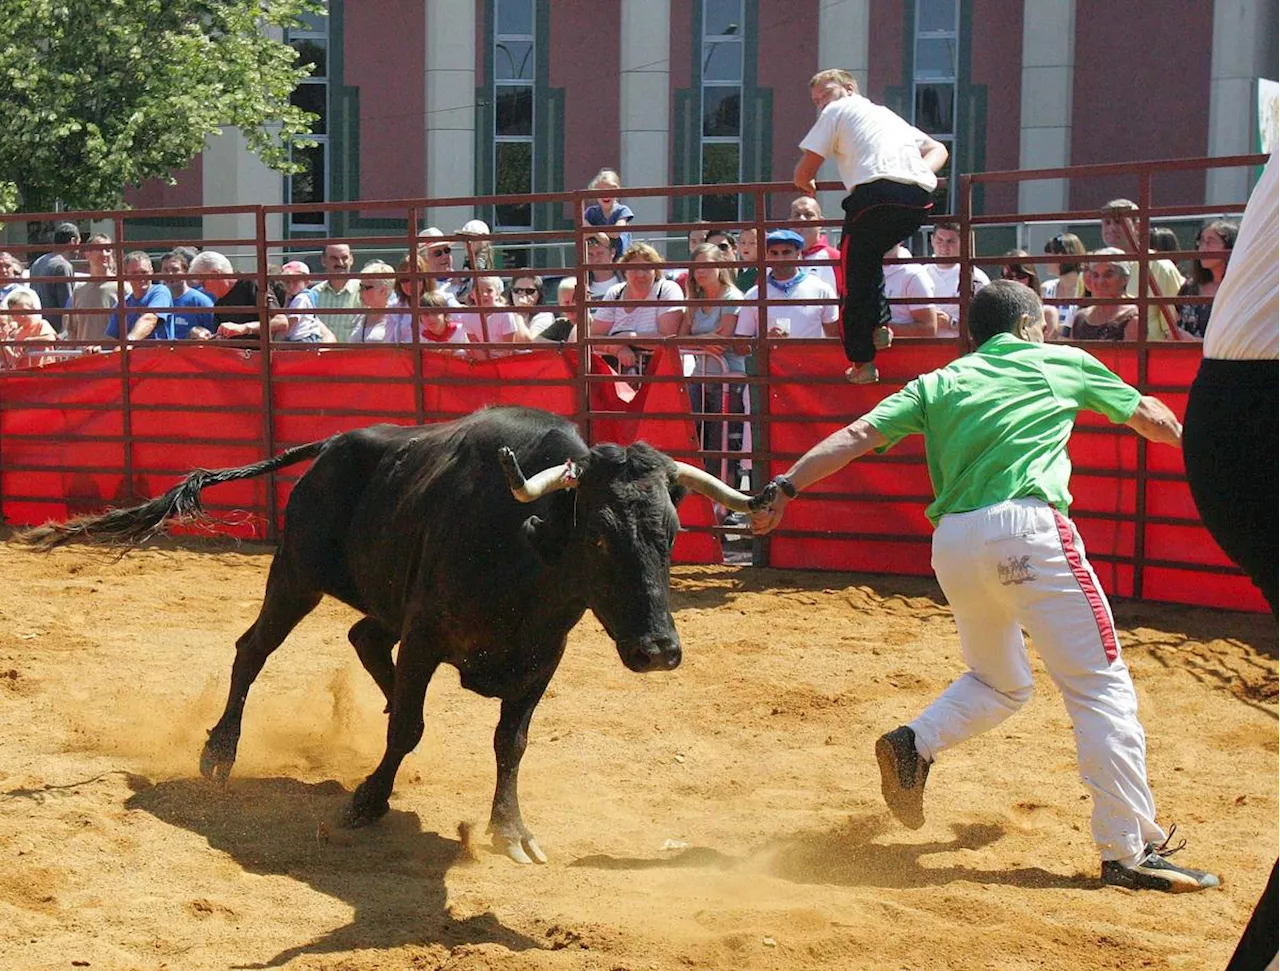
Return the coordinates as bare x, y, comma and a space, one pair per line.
996, 424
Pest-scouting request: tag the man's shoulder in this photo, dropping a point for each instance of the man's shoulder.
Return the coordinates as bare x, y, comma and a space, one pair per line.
815, 286
192, 297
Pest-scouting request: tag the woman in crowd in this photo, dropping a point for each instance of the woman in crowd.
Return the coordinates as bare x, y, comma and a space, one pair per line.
23, 323
608, 211
1162, 239
603, 273
1106, 275
1215, 241
398, 327
1025, 273
643, 282
1069, 283
708, 331
479, 255
526, 295
379, 299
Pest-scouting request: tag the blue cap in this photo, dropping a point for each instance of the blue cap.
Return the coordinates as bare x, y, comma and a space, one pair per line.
789, 236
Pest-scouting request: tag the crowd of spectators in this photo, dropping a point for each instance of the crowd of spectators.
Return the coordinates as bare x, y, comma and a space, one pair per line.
193, 295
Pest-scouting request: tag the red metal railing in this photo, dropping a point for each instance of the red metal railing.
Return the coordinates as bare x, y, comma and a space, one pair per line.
134, 435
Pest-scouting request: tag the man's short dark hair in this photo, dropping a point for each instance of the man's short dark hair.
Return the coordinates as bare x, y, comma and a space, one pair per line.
997, 308
179, 255
66, 233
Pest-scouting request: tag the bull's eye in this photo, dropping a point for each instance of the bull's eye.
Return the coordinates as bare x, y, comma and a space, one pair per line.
600, 542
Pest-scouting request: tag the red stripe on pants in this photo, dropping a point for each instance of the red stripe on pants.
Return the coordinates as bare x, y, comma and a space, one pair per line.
1087, 586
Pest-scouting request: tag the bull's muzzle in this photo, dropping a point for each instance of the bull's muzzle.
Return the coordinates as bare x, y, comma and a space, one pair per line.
659, 652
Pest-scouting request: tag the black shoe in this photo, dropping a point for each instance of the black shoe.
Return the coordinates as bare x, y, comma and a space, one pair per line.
1155, 872
902, 775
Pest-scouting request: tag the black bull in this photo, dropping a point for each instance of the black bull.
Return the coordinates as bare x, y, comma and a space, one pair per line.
420, 530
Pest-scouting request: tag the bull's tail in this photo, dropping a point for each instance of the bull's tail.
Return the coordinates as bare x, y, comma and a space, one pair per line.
132, 526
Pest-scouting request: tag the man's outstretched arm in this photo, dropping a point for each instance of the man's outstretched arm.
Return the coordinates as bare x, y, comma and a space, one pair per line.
830, 455
1155, 422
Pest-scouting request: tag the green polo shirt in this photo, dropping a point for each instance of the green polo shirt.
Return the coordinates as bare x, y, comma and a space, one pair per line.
996, 422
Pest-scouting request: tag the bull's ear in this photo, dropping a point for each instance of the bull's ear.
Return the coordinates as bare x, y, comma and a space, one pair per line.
543, 539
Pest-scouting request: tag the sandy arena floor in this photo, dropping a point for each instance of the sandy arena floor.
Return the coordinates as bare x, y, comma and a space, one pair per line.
724, 816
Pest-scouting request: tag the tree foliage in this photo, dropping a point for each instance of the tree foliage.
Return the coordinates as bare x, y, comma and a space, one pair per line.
102, 94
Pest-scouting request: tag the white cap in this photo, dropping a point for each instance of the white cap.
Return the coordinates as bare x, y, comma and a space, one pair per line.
475, 227
431, 231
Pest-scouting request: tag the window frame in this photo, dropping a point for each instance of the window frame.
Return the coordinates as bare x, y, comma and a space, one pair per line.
319, 30
531, 82
918, 82
737, 39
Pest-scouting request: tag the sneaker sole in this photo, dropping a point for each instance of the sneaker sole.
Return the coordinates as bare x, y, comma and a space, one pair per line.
907, 805
1135, 879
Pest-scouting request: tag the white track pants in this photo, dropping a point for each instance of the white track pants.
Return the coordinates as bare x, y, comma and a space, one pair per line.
1021, 564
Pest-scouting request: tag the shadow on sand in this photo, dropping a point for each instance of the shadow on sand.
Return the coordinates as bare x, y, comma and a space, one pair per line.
849, 856
391, 874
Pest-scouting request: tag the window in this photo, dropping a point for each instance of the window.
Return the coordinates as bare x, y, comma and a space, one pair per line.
514, 57
311, 41
933, 85
721, 104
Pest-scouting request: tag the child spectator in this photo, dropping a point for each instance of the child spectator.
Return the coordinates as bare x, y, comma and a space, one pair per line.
502, 327
304, 325
24, 323
604, 274
608, 211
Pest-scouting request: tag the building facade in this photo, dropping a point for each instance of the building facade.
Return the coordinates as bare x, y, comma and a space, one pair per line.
452, 98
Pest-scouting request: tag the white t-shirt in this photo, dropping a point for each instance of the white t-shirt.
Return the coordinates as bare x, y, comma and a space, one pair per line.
642, 320
806, 321
910, 280
540, 322
1243, 322
1066, 312
869, 142
499, 323
946, 284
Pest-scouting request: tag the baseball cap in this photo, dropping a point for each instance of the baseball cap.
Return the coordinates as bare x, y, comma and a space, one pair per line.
475, 227
788, 236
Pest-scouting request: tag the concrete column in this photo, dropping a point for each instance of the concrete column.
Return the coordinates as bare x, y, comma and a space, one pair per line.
451, 121
644, 111
1244, 48
1048, 74
844, 34
235, 176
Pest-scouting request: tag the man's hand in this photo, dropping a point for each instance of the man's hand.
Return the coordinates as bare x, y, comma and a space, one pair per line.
806, 172
232, 330
766, 520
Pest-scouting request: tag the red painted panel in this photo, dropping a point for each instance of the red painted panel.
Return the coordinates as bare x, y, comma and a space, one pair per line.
1141, 92
388, 66
996, 62
583, 60
155, 194
884, 56
788, 58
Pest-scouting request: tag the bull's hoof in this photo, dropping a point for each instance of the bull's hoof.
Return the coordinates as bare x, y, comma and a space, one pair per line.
364, 808
521, 847
216, 760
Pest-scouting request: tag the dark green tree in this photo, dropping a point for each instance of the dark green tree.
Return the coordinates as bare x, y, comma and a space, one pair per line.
99, 95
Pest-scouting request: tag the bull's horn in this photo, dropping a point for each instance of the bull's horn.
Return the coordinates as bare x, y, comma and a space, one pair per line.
708, 485
548, 480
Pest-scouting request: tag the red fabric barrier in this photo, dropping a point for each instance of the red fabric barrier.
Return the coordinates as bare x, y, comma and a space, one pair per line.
63, 451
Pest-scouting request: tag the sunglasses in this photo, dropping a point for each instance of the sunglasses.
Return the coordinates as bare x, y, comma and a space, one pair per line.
525, 291
724, 247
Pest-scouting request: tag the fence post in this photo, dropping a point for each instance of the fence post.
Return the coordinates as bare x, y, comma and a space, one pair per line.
761, 444
415, 282
126, 395
264, 367
965, 287
1144, 306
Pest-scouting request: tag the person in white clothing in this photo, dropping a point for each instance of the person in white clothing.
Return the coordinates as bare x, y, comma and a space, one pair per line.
500, 327
909, 281
1230, 444
889, 168
946, 278
789, 282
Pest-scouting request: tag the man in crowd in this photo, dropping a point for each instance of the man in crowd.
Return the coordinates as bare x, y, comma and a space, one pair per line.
229, 293
889, 169
92, 300
56, 294
790, 282
152, 303
995, 424
816, 244
340, 292
192, 307
946, 278
913, 282
1119, 229
10, 273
